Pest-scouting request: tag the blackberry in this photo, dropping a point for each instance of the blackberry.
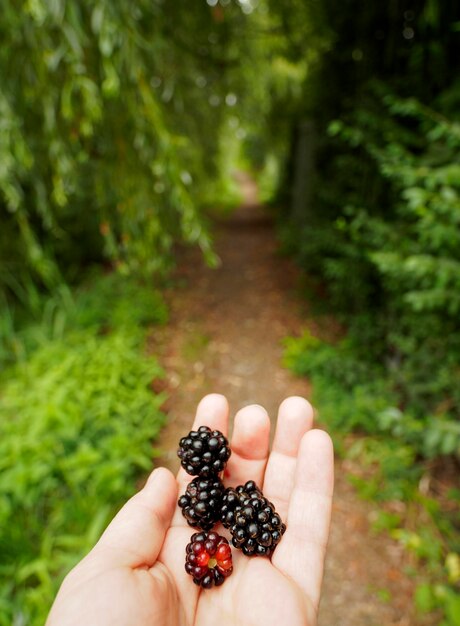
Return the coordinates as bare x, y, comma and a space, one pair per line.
204, 452
202, 501
255, 526
208, 558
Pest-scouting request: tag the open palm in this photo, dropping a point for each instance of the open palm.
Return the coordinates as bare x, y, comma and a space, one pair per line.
135, 574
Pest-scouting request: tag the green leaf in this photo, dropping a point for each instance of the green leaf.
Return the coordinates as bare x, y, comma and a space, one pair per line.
424, 598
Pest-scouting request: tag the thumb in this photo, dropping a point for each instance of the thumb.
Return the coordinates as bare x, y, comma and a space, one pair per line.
136, 534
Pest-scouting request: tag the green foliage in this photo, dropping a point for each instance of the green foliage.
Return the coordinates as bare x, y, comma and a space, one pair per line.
379, 238
429, 598
112, 118
77, 422
415, 252
405, 264
360, 396
102, 303
111, 301
355, 395
122, 123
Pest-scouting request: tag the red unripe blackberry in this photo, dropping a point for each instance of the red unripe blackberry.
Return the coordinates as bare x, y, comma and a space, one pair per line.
208, 558
255, 526
202, 501
204, 452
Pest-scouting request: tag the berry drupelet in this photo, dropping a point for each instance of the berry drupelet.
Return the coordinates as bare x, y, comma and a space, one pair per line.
255, 526
204, 452
208, 558
201, 504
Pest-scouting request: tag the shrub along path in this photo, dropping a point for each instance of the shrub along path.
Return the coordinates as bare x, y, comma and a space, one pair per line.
225, 336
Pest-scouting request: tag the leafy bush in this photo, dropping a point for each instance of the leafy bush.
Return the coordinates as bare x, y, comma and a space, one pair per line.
77, 421
379, 234
393, 274
111, 301
102, 303
378, 237
356, 395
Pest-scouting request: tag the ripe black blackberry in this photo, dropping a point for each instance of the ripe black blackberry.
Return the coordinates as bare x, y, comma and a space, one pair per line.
202, 501
255, 526
208, 558
204, 452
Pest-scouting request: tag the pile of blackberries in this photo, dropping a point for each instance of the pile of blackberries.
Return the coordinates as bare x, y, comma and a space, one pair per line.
255, 526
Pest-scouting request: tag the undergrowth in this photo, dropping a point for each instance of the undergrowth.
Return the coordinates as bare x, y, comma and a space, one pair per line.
77, 421
400, 454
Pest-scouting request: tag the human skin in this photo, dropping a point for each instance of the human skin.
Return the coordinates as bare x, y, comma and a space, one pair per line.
135, 574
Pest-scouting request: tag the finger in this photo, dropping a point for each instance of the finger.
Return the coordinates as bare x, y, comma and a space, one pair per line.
295, 418
212, 411
301, 552
250, 444
136, 534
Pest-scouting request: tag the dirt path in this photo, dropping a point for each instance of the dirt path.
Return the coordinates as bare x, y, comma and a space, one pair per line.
225, 336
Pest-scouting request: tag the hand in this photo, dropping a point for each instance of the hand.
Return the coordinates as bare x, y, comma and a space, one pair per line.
135, 575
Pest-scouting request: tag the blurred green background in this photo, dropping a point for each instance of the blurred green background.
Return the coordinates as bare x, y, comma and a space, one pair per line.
121, 124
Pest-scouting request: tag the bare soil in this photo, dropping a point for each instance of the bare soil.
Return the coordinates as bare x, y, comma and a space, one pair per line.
225, 335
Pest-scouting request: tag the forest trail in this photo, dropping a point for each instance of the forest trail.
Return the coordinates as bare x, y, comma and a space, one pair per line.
225, 335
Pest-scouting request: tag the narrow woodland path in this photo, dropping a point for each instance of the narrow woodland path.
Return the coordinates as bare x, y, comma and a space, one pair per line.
225, 336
